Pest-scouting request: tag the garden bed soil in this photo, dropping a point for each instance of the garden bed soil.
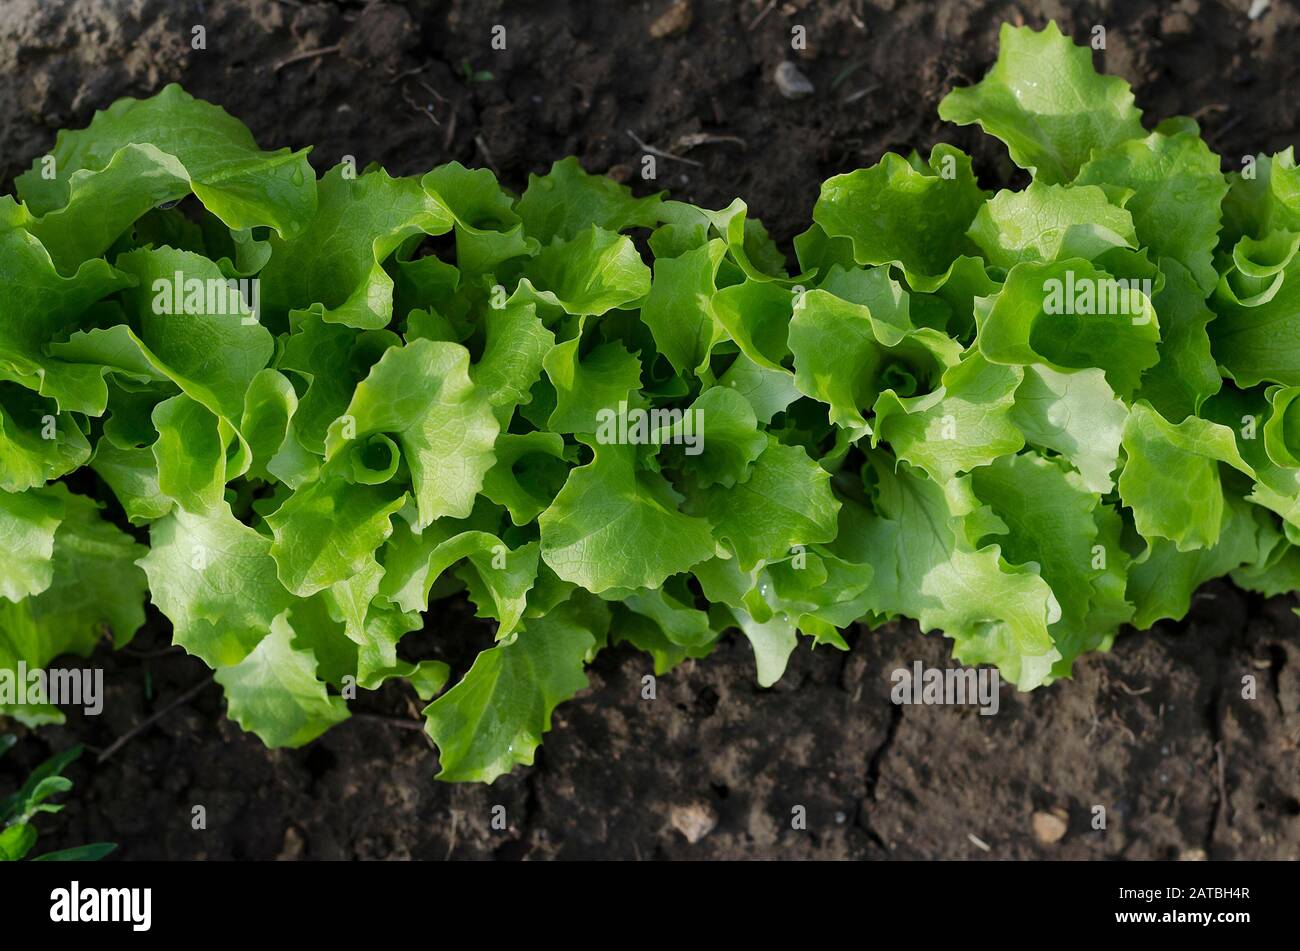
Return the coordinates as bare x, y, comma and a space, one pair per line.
1156, 732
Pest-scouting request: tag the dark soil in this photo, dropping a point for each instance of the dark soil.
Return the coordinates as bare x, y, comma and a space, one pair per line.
1157, 732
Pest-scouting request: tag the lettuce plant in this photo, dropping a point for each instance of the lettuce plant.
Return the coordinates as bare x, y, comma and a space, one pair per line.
19, 808
313, 408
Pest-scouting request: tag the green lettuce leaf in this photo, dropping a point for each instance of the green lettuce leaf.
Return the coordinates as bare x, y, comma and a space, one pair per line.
214, 579
1069, 315
29, 520
1171, 480
566, 201
329, 360
590, 386
39, 306
422, 394
1163, 579
1186, 374
904, 212
488, 229
841, 360
37, 442
924, 566
95, 590
786, 501
679, 307
181, 145
967, 422
528, 473
329, 530
756, 316
514, 353
190, 455
1045, 223
1055, 522
1257, 340
494, 718
211, 353
1177, 192
604, 504
337, 260
275, 692
1046, 102
591, 273
1075, 414
729, 438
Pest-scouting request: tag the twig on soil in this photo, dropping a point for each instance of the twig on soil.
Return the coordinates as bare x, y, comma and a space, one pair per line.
1092, 709
978, 842
1130, 691
409, 72
451, 835
306, 54
423, 110
859, 93
130, 734
685, 143
646, 147
450, 133
402, 722
433, 92
753, 24
1132, 737
1223, 783
412, 722
487, 155
1223, 129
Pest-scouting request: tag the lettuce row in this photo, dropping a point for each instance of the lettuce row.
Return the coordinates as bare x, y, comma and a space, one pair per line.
447, 387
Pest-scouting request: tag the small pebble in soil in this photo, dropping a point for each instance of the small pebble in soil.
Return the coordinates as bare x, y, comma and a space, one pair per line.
792, 83
1050, 827
293, 845
676, 19
694, 820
